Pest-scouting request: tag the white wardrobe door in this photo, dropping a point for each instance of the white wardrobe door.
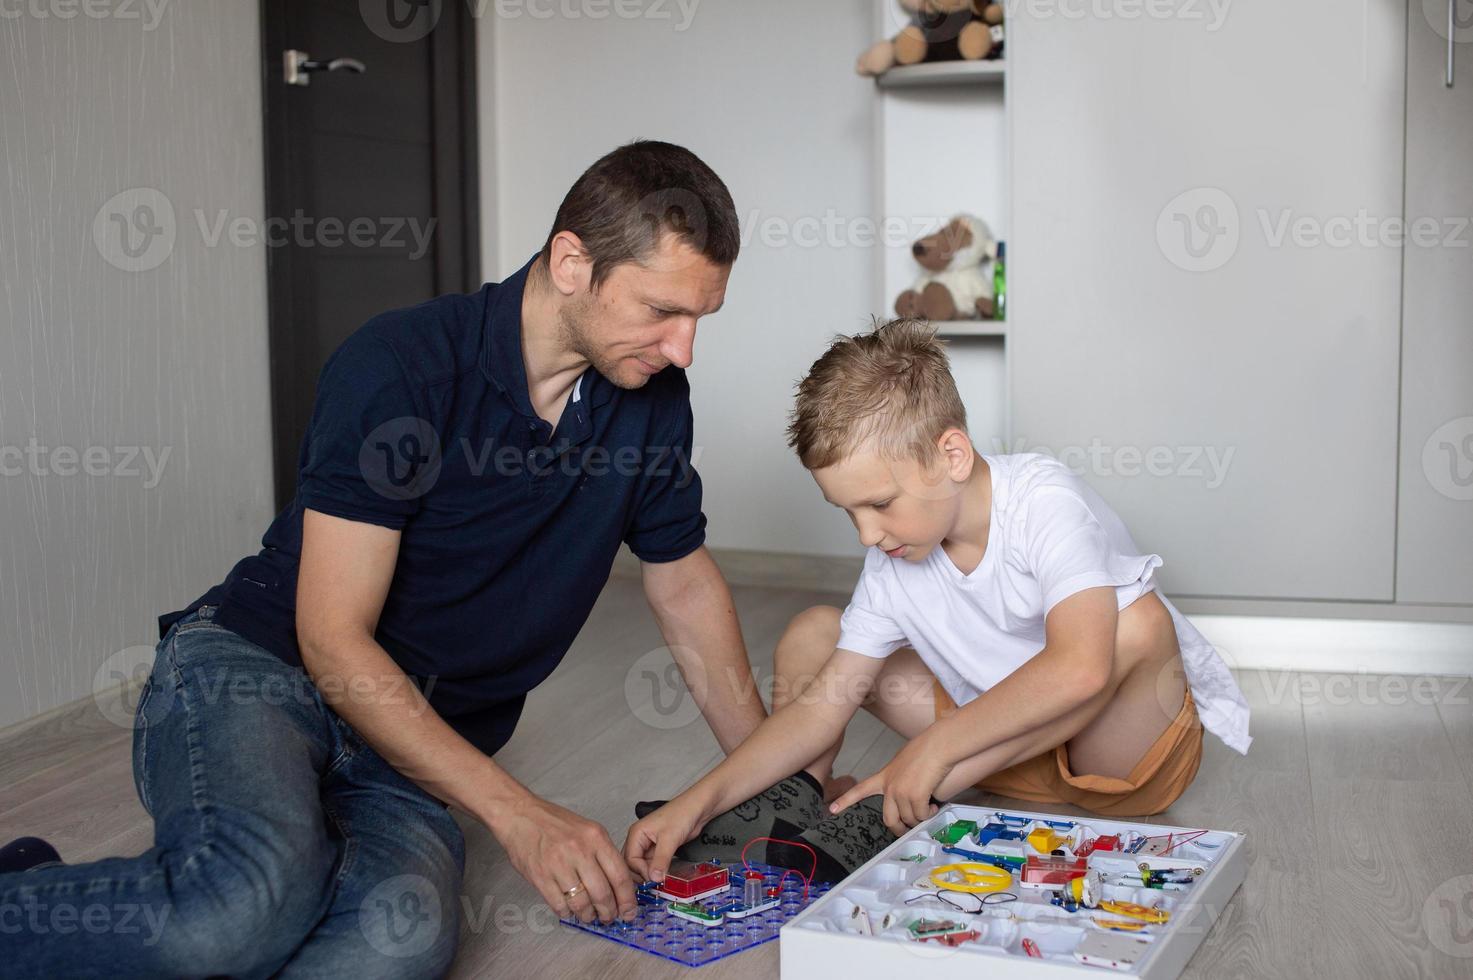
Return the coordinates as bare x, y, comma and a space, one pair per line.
1435, 532
1203, 313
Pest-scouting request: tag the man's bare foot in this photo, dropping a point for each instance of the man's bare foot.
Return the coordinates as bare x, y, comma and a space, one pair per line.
837, 786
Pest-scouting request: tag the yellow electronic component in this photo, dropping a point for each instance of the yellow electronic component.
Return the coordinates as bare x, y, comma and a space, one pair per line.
1121, 925
971, 876
1133, 911
1045, 840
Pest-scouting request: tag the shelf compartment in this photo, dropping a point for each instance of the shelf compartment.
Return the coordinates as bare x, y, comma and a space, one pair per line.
944, 73
971, 328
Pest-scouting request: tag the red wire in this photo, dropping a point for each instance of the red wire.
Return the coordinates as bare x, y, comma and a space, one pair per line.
807, 880
1185, 840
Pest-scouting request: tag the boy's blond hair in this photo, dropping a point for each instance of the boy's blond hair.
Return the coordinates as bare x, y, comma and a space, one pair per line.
890, 389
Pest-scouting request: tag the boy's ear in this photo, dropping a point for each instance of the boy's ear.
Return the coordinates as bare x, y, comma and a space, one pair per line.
956, 450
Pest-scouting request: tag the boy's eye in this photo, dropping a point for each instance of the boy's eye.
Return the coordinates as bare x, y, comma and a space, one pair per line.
882, 506
661, 313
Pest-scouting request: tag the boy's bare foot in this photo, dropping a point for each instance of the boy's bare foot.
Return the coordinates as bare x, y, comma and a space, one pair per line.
837, 786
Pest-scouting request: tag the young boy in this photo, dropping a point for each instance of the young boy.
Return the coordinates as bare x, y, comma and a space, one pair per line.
1005, 624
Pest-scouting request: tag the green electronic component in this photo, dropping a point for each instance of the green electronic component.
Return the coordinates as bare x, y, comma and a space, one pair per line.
926, 928
955, 832
695, 913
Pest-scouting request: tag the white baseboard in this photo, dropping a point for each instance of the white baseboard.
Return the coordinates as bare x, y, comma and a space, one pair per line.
1340, 645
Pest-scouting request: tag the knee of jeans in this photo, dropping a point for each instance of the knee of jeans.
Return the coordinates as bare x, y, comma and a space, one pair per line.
242, 900
418, 937
408, 924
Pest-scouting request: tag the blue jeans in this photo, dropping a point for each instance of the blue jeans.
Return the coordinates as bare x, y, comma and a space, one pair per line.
283, 844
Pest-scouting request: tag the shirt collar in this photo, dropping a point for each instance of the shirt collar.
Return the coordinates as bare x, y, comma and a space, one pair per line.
501, 350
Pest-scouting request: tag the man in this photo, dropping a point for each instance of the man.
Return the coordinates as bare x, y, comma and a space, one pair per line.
471, 468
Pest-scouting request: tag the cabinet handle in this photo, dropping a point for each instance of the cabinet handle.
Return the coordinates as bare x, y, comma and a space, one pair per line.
1451, 29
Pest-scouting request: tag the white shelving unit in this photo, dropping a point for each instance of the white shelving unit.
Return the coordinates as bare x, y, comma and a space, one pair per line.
941, 147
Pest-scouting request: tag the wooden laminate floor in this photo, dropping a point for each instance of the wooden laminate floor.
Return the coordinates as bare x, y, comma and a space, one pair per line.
1357, 797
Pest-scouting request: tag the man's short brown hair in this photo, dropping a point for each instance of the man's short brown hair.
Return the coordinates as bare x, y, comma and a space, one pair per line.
890, 390
623, 204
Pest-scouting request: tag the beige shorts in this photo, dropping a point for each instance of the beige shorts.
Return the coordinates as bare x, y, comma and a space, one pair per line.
1162, 774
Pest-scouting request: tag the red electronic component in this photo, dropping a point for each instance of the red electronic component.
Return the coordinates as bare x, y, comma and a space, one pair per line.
1110, 842
687, 882
1052, 871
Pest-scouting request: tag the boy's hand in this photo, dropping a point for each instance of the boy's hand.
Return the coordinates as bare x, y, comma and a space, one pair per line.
907, 783
651, 843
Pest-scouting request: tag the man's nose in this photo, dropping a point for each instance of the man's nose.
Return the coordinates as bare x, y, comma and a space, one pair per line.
679, 346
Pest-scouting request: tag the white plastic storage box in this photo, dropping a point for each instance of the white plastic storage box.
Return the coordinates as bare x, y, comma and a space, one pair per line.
891, 918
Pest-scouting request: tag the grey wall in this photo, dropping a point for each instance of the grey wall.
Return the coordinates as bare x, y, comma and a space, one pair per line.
765, 92
101, 358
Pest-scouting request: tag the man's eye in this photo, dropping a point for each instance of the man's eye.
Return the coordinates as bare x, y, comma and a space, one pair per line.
661, 313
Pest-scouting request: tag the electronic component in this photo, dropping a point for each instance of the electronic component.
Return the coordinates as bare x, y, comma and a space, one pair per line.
934, 928
752, 891
1133, 911
996, 830
1010, 862
690, 882
736, 911
1175, 879
1044, 840
699, 914
1051, 872
1111, 950
970, 876
955, 832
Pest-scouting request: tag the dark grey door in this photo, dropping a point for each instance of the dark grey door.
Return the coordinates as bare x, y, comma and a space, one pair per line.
370, 179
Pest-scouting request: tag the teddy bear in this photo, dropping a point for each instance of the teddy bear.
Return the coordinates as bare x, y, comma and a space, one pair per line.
941, 30
952, 284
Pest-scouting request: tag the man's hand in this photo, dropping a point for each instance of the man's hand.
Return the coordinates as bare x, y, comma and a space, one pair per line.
555, 849
908, 783
651, 842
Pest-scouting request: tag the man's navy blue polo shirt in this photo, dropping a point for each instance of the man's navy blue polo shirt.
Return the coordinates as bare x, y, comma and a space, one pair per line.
509, 529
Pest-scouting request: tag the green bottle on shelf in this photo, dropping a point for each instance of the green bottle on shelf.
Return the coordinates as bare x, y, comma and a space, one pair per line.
999, 284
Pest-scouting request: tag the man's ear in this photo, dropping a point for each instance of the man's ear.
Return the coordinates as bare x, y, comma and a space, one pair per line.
569, 266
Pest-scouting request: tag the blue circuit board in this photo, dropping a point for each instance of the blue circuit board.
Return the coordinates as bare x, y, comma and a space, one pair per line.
656, 931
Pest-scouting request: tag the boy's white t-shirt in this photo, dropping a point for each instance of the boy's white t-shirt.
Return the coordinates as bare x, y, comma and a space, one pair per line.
1051, 536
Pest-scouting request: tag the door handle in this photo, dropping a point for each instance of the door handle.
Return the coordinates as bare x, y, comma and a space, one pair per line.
297, 66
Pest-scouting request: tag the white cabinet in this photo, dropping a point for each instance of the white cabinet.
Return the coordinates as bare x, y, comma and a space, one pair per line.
1434, 559
1204, 308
